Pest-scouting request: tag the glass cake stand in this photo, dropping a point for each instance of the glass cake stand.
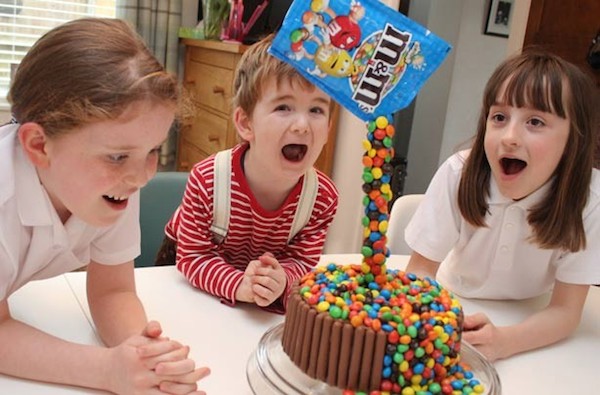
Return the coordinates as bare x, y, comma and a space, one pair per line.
271, 372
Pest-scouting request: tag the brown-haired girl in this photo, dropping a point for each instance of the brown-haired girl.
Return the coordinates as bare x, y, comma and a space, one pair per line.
91, 107
518, 215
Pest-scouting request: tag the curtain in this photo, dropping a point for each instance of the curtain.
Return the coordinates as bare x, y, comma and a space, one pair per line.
158, 22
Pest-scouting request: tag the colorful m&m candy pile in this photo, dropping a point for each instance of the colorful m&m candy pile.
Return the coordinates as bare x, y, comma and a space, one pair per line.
420, 321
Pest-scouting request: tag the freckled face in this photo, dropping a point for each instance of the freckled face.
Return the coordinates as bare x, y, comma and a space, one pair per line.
93, 170
524, 147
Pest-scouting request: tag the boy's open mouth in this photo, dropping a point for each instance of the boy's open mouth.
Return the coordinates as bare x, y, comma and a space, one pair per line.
294, 152
512, 166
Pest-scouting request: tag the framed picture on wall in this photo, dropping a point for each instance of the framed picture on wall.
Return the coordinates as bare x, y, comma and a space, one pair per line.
499, 15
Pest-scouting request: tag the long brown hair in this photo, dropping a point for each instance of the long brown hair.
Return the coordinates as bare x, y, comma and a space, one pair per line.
550, 84
87, 70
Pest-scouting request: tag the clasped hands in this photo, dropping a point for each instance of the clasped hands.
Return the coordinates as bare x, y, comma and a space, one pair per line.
151, 364
264, 281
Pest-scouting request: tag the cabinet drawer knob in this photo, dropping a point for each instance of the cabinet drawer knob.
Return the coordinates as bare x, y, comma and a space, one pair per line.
218, 89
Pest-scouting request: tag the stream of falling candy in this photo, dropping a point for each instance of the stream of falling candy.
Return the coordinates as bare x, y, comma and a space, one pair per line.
377, 176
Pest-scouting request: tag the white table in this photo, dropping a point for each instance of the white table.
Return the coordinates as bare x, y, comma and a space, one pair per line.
220, 337
50, 306
213, 330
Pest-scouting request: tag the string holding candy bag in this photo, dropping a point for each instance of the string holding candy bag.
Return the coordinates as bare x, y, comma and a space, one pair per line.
370, 58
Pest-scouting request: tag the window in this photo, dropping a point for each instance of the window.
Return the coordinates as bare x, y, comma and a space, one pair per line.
22, 22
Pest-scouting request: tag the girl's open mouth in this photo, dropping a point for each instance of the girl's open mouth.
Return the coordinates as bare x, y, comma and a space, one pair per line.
511, 166
116, 200
294, 152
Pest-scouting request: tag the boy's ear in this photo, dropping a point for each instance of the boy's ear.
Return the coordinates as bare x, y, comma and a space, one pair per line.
243, 124
34, 141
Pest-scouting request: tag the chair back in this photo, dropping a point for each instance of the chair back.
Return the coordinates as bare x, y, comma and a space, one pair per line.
158, 201
402, 211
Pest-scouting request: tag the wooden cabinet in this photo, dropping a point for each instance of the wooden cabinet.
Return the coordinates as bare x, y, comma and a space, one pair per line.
566, 31
208, 74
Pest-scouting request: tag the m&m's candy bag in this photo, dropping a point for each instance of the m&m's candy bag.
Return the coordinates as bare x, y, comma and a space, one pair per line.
368, 57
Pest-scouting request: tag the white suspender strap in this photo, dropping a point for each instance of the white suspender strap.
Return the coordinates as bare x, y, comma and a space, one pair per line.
308, 196
221, 194
222, 198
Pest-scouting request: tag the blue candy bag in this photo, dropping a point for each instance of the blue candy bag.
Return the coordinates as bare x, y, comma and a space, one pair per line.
370, 58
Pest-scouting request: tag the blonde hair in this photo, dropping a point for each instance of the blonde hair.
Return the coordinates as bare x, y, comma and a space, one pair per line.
87, 70
550, 84
256, 66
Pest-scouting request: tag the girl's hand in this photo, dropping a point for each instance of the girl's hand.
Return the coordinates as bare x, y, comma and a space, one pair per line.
161, 351
152, 330
180, 370
132, 373
481, 333
150, 364
185, 383
269, 280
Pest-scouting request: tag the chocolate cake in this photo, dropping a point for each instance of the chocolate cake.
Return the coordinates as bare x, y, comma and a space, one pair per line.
345, 329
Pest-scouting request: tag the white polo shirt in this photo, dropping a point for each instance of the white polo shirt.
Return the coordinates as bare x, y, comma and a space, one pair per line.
498, 261
34, 244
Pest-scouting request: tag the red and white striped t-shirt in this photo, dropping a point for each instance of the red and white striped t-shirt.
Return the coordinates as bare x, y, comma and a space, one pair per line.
219, 268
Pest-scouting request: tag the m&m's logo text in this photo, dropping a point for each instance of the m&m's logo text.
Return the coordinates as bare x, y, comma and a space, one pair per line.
371, 87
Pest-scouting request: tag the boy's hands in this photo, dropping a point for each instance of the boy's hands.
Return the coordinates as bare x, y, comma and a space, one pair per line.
264, 281
244, 292
269, 280
151, 364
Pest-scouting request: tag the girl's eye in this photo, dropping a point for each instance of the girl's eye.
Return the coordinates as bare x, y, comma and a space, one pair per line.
536, 122
117, 158
155, 151
497, 117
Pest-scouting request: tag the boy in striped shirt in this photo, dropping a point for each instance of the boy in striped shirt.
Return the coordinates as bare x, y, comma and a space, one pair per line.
277, 207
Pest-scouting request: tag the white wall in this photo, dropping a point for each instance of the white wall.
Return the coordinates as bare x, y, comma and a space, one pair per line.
476, 56
442, 17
